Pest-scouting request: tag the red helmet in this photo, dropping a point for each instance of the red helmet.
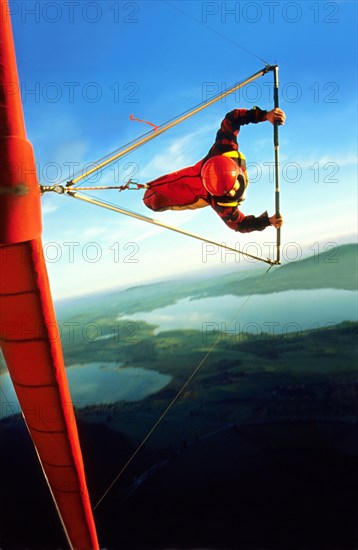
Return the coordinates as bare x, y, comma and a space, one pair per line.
219, 175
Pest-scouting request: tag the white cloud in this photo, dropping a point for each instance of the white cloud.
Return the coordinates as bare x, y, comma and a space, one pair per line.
126, 229
184, 151
48, 208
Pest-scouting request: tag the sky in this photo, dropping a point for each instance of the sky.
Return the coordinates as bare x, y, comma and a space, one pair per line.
86, 66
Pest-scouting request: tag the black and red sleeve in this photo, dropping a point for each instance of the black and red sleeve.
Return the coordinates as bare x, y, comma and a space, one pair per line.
226, 137
237, 221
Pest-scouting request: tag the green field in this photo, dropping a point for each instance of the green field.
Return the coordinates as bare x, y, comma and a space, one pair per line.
238, 379
243, 377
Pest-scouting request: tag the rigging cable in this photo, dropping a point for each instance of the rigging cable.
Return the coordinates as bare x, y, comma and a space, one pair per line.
144, 138
10, 405
71, 190
119, 209
225, 37
177, 395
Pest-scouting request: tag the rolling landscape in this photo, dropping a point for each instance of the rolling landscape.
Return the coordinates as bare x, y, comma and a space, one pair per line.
255, 439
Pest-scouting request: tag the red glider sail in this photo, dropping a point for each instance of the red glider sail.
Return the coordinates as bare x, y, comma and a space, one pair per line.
28, 328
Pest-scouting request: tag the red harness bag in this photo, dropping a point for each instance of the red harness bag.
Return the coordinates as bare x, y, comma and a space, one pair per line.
181, 190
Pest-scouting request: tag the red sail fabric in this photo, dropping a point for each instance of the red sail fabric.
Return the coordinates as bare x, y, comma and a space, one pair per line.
32, 350
28, 330
20, 210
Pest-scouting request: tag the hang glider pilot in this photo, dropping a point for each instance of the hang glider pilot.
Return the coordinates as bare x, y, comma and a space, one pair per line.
219, 180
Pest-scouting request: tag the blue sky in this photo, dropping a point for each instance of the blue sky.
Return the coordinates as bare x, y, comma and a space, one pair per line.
85, 67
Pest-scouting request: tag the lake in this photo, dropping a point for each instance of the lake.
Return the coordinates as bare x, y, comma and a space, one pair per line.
277, 314
95, 383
